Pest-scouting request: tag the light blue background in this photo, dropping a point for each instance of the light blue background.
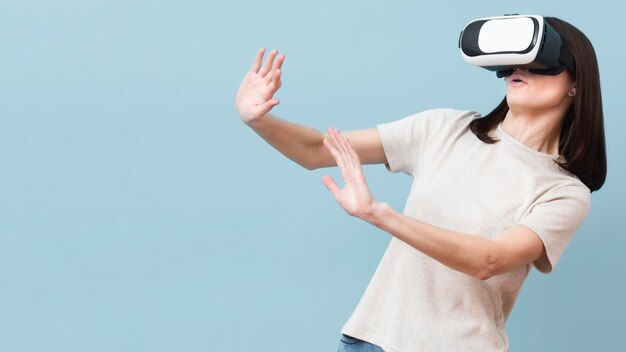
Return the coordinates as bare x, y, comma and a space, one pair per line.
137, 213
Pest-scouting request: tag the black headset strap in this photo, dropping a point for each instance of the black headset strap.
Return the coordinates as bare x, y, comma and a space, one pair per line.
566, 57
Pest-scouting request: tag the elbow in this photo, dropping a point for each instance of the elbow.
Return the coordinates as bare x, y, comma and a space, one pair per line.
489, 267
483, 275
315, 160
309, 165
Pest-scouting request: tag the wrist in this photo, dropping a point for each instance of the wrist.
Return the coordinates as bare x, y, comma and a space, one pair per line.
256, 122
378, 213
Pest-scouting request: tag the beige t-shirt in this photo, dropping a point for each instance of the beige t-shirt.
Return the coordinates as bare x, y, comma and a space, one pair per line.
414, 303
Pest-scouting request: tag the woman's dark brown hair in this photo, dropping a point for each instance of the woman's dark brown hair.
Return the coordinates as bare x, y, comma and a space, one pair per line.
582, 135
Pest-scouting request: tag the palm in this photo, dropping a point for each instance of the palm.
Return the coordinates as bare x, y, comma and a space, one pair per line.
252, 94
255, 96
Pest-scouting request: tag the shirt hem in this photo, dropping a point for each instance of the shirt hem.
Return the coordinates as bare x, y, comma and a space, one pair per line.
374, 339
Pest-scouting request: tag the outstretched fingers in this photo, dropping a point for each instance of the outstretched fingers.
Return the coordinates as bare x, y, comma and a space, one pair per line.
354, 157
335, 149
267, 67
331, 185
344, 147
345, 156
276, 81
277, 67
256, 65
355, 197
348, 153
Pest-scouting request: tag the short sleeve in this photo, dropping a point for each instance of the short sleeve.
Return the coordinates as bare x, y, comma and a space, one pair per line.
404, 140
555, 219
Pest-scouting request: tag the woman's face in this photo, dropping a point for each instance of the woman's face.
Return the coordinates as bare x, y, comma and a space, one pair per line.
535, 93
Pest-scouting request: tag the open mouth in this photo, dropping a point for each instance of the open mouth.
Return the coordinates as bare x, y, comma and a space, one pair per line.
517, 78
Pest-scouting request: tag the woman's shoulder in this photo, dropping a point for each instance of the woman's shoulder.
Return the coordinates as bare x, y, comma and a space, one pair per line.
433, 120
569, 186
448, 114
438, 116
448, 121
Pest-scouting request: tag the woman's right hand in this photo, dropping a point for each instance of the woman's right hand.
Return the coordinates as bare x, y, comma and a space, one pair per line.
255, 97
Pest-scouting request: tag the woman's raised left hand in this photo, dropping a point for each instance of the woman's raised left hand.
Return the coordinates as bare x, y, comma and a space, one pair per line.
355, 197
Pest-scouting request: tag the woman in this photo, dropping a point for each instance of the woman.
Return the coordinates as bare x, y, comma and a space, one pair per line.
491, 197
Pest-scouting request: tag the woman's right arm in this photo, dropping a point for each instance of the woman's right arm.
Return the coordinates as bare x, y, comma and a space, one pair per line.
302, 144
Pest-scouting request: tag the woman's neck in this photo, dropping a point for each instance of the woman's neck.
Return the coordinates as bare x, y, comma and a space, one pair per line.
539, 132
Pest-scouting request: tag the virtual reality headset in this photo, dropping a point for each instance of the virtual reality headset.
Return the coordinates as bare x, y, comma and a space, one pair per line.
503, 43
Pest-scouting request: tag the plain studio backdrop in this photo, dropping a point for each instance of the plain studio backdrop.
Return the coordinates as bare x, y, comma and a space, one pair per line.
137, 213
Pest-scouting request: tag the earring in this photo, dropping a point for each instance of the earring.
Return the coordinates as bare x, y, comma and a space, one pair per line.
571, 94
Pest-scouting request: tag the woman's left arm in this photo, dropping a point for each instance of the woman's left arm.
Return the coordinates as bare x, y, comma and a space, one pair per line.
474, 255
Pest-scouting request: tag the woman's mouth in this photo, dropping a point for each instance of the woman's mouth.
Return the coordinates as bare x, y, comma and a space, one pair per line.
516, 79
